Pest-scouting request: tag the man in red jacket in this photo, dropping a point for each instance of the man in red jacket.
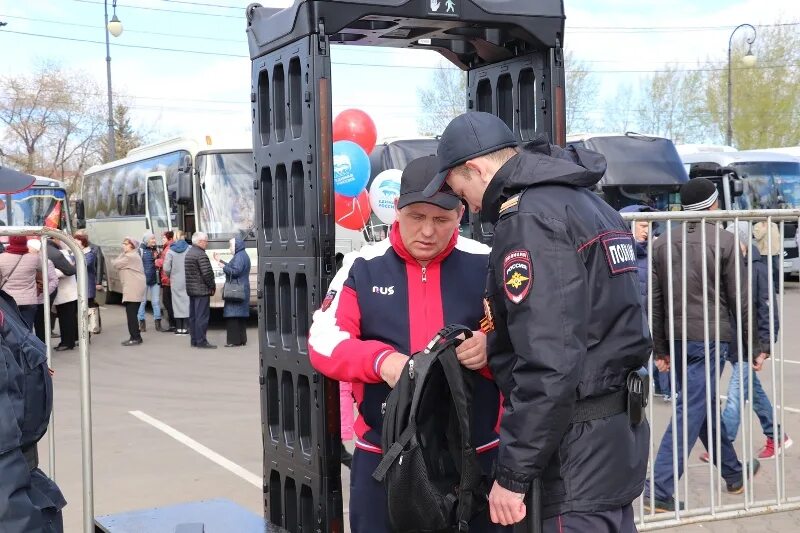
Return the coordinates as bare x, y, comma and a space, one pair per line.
386, 303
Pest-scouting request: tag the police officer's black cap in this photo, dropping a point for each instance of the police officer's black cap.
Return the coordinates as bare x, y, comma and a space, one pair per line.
468, 136
416, 177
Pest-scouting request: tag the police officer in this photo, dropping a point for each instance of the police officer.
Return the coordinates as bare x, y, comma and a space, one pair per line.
569, 327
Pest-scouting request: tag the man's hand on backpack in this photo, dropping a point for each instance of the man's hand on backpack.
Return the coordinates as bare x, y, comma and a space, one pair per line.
472, 352
392, 367
506, 507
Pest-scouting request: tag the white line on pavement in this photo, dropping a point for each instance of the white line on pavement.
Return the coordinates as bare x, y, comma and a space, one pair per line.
208, 453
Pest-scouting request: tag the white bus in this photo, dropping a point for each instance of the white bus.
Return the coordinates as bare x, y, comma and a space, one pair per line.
183, 183
44, 204
769, 180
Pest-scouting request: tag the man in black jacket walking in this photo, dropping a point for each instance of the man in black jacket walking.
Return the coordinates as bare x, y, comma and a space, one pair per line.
200, 286
564, 301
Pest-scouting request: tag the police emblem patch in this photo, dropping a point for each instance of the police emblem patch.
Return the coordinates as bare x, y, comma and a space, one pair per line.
326, 303
517, 275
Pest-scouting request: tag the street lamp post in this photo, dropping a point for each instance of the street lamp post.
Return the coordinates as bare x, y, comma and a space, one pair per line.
114, 27
749, 60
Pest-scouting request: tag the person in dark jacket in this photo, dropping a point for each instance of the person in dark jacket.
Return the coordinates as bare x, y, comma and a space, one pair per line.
149, 252
641, 234
699, 194
386, 303
29, 500
236, 313
569, 329
66, 268
200, 286
760, 312
99, 259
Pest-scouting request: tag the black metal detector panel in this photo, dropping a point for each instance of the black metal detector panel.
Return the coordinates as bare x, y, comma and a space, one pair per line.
301, 500
519, 92
291, 149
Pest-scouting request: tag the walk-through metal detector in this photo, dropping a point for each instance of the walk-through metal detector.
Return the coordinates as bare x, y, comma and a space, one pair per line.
512, 51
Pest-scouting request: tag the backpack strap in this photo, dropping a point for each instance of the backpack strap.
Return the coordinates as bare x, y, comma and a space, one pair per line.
461, 394
393, 453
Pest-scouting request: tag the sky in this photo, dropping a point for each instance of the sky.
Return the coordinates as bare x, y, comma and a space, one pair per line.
184, 69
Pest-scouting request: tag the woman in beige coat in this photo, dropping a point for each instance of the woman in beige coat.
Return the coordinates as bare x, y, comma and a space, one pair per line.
131, 273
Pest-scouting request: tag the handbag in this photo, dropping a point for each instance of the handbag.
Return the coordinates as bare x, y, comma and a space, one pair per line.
232, 291
95, 322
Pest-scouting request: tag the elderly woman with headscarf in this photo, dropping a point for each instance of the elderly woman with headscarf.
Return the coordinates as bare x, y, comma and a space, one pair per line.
18, 276
131, 274
148, 250
236, 310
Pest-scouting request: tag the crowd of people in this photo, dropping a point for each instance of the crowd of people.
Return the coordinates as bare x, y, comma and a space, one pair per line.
176, 273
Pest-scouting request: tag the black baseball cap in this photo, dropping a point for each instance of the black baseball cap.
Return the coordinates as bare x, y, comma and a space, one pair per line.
469, 135
416, 177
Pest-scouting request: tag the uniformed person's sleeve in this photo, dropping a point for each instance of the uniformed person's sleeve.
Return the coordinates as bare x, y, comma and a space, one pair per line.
660, 344
546, 324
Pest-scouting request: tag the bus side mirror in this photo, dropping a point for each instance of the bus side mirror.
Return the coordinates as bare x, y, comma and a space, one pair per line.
80, 214
737, 188
185, 182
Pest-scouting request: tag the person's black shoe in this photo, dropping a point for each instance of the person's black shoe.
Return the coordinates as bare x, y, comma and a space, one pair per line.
737, 487
172, 329
132, 342
63, 348
142, 326
159, 327
207, 346
233, 345
661, 506
347, 457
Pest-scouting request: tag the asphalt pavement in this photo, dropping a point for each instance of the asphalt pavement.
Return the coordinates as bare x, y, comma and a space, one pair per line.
175, 424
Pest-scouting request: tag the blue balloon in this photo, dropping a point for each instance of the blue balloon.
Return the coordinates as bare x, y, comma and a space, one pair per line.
350, 168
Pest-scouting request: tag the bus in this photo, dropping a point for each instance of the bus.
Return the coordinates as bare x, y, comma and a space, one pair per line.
43, 204
768, 180
183, 183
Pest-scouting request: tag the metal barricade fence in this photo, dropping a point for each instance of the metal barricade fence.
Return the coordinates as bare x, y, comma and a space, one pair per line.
700, 497
83, 352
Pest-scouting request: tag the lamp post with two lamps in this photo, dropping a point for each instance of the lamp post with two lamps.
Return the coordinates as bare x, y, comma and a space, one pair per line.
749, 60
114, 27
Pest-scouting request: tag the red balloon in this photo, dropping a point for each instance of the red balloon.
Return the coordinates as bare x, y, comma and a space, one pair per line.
352, 213
355, 125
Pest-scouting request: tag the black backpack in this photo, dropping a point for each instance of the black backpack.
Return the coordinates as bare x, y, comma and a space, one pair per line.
430, 467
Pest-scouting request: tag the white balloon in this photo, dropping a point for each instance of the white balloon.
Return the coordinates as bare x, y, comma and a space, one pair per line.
384, 191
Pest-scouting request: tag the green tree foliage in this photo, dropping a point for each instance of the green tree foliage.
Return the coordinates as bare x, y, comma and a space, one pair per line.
126, 138
766, 97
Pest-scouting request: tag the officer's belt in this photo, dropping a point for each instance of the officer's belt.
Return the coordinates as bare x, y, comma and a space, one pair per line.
31, 453
601, 406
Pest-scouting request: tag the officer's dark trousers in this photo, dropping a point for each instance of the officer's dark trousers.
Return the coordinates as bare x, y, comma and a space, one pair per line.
199, 311
697, 423
368, 511
166, 297
616, 521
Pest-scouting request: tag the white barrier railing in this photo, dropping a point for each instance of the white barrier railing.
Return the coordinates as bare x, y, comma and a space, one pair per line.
696, 500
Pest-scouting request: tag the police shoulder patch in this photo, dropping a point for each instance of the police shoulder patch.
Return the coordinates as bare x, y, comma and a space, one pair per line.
620, 252
517, 275
328, 300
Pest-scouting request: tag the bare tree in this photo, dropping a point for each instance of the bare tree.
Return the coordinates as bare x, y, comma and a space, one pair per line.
581, 94
53, 119
443, 100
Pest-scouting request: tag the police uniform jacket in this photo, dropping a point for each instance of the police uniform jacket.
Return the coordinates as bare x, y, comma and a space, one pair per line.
568, 325
381, 301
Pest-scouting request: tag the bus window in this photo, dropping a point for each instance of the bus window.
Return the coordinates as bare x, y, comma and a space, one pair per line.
228, 206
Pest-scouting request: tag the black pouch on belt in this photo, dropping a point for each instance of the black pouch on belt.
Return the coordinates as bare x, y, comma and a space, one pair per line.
638, 384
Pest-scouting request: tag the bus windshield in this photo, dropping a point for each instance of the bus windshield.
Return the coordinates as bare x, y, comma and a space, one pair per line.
39, 206
766, 183
228, 201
